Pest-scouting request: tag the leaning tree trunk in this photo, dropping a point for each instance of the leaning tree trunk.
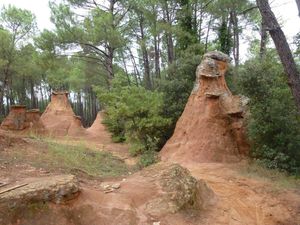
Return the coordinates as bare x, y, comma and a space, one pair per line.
298, 5
282, 47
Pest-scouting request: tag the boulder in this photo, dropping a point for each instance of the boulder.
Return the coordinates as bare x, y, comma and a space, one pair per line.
179, 190
212, 126
56, 189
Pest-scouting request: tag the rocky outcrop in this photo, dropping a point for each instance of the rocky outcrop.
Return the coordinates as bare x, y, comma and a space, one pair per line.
56, 189
59, 118
20, 119
211, 128
16, 119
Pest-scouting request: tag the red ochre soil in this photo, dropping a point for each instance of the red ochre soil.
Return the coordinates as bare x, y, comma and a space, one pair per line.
210, 128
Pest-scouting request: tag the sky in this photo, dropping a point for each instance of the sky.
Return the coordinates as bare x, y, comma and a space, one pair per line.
39, 8
285, 11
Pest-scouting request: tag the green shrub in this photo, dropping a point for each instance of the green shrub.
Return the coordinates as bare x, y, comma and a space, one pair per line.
134, 115
274, 125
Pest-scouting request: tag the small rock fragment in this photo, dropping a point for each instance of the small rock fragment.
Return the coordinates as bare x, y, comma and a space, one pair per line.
116, 186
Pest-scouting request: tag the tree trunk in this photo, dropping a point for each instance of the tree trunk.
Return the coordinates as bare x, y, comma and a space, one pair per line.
207, 33
137, 75
2, 109
170, 44
283, 49
93, 106
170, 48
42, 105
109, 63
200, 23
147, 78
263, 39
125, 67
7, 104
109, 47
32, 95
79, 105
236, 38
298, 5
22, 97
10, 93
156, 56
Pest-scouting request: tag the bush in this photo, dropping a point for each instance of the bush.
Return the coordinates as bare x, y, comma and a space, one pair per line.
274, 126
178, 84
134, 115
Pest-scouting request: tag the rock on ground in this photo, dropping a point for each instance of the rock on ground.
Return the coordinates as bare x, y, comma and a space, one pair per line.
179, 190
56, 189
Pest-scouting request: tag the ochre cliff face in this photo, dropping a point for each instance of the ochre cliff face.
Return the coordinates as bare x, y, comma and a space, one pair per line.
211, 128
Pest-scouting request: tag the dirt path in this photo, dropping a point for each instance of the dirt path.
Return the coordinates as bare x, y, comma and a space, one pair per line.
246, 201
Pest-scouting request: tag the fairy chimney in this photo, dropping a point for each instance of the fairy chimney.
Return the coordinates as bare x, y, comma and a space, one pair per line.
211, 127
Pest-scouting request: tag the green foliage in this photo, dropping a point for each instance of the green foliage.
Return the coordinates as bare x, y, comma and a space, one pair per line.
134, 114
178, 84
5, 46
224, 38
274, 126
20, 22
297, 43
186, 25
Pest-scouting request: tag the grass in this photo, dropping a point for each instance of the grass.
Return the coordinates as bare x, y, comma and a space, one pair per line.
278, 178
54, 156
